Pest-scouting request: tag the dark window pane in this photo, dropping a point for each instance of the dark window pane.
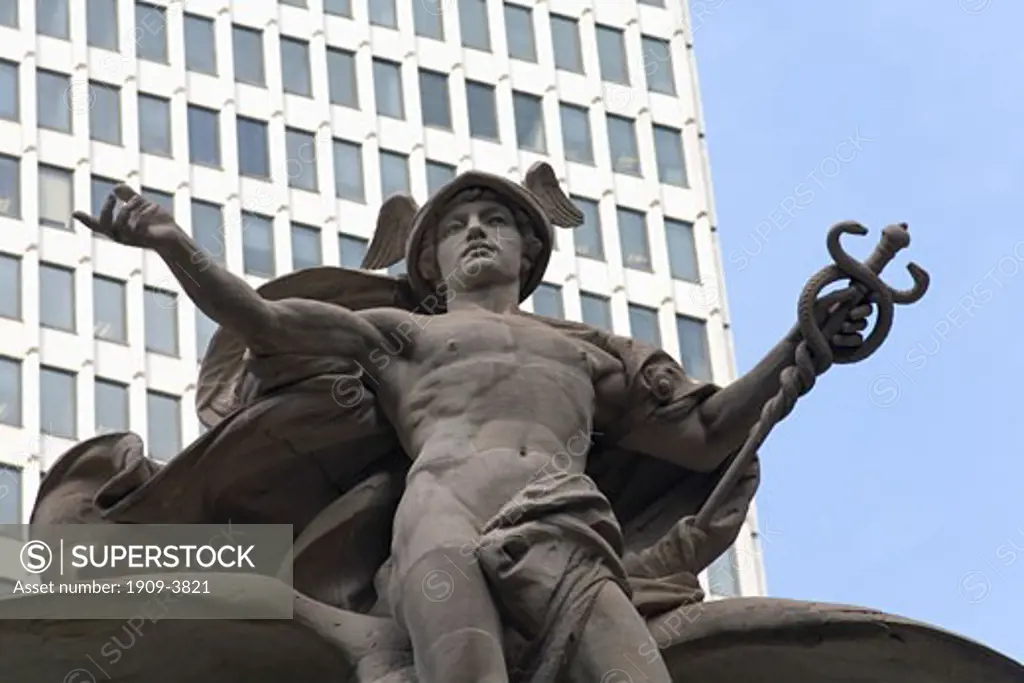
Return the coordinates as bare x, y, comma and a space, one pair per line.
529, 115
150, 32
519, 33
351, 251
473, 24
658, 65
208, 229
200, 45
109, 309
565, 37
56, 297
154, 125
295, 67
596, 311
203, 136
58, 403
428, 19
9, 91
10, 187
668, 149
547, 301
387, 89
111, 406
622, 142
258, 245
682, 250
104, 113
301, 150
348, 171
9, 13
100, 189
161, 313
10, 287
611, 53
483, 112
55, 197
643, 325
52, 18
163, 417
394, 173
435, 101
53, 96
162, 199
306, 249
576, 134
101, 24
10, 392
253, 150
693, 347
382, 13
342, 8
633, 241
341, 77
587, 237
247, 45
438, 175
10, 508
204, 333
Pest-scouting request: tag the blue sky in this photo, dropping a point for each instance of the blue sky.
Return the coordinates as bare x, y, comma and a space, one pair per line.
897, 483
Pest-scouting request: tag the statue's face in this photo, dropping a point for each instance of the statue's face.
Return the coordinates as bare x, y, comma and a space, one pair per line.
479, 245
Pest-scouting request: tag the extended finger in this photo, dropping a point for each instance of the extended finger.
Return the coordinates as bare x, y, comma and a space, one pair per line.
846, 340
860, 312
125, 193
86, 220
854, 326
125, 216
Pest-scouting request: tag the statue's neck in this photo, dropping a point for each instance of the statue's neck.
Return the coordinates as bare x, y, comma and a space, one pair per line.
492, 299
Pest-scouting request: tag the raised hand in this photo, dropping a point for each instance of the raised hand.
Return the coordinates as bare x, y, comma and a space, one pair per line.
139, 223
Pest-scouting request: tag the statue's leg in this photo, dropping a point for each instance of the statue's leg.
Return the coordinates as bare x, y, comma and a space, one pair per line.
615, 645
439, 594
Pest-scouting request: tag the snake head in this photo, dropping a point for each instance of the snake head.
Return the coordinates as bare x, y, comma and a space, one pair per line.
896, 237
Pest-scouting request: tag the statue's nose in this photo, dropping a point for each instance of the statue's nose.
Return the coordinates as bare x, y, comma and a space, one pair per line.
475, 229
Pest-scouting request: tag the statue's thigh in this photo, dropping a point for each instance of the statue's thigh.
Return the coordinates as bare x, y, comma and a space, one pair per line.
431, 520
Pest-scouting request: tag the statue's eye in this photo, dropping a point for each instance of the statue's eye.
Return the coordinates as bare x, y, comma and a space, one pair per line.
497, 219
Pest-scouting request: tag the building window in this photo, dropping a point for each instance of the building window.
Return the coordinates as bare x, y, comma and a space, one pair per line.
56, 297
722, 578
519, 34
112, 406
341, 78
342, 8
247, 46
258, 245
622, 142
154, 125
295, 67
109, 309
643, 325
348, 171
658, 65
9, 90
163, 418
10, 187
9, 13
101, 24
200, 45
10, 392
394, 173
576, 134
161, 314
428, 19
387, 88
383, 13
351, 251
10, 508
611, 53
101, 189
306, 248
483, 111
438, 175
203, 136
53, 105
208, 229
565, 37
473, 24
162, 199
205, 328
682, 250
295, 3
55, 197
10, 287
587, 237
104, 113
58, 407
434, 99
652, 3
668, 149
596, 311
547, 301
301, 150
150, 32
253, 149
52, 18
529, 115
636, 248
693, 347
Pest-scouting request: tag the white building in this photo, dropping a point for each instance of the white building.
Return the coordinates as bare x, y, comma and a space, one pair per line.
293, 120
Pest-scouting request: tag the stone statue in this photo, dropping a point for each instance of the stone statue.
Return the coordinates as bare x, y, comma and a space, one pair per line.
489, 495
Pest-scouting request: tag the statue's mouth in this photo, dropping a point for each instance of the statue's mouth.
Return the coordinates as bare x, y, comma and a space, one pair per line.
479, 249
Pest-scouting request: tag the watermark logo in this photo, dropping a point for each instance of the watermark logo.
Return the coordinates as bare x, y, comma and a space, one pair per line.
36, 557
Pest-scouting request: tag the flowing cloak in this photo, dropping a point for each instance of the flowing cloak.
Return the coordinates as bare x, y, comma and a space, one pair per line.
300, 440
